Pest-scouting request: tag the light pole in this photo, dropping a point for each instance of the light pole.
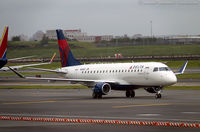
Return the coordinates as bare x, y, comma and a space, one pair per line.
151, 29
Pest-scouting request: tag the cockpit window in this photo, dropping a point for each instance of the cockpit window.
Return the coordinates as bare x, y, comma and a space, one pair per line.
155, 69
161, 69
164, 69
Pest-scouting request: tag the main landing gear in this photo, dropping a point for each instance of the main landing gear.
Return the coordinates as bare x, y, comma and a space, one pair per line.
130, 93
96, 95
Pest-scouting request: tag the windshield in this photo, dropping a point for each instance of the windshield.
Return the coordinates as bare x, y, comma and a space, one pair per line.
161, 69
164, 69
155, 69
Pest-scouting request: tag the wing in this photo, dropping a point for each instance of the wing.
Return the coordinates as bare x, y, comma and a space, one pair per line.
62, 79
20, 58
47, 70
21, 66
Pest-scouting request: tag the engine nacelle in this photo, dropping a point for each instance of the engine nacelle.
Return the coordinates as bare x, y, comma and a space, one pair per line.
102, 88
152, 89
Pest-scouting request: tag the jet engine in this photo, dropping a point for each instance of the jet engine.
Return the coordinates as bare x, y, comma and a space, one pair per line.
102, 88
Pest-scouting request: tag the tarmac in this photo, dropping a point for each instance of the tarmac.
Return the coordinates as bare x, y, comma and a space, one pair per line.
174, 106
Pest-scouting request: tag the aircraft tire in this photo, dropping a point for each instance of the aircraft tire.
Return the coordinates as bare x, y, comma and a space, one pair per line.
132, 94
158, 96
128, 94
94, 95
99, 96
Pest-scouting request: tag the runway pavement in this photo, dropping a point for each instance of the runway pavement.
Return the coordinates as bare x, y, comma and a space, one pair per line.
176, 105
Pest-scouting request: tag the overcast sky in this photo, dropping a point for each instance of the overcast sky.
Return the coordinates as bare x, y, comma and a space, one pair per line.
98, 17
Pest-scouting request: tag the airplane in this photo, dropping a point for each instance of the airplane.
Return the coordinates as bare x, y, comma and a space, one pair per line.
3, 53
103, 78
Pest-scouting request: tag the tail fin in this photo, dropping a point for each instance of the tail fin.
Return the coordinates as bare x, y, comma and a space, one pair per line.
66, 56
3, 46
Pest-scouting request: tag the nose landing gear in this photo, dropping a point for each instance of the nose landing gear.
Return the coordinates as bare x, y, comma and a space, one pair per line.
130, 93
156, 90
158, 94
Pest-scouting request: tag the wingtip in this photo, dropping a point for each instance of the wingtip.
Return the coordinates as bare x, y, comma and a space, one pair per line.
52, 58
17, 73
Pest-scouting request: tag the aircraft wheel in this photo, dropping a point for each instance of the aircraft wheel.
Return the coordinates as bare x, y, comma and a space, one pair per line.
132, 93
158, 96
99, 96
128, 94
94, 95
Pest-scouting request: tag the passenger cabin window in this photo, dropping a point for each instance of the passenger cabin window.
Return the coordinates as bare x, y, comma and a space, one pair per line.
155, 69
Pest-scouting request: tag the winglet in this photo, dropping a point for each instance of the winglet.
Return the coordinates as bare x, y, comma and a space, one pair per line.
52, 58
18, 74
181, 71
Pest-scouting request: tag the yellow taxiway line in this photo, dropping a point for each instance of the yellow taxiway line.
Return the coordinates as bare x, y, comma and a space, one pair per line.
31, 102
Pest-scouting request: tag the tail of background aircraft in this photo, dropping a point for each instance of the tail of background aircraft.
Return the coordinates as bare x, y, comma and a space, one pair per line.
3, 46
66, 56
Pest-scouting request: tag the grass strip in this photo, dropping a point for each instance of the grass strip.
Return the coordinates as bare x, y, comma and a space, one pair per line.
44, 87
26, 73
182, 88
189, 76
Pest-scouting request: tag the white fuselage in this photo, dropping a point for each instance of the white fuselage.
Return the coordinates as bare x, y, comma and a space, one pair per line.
140, 74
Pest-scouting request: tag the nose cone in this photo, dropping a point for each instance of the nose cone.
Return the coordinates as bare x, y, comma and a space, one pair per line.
171, 79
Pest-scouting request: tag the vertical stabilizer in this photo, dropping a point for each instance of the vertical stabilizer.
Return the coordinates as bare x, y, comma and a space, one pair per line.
66, 56
3, 46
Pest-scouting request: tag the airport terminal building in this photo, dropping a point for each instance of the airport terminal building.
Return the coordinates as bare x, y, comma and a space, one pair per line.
78, 35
